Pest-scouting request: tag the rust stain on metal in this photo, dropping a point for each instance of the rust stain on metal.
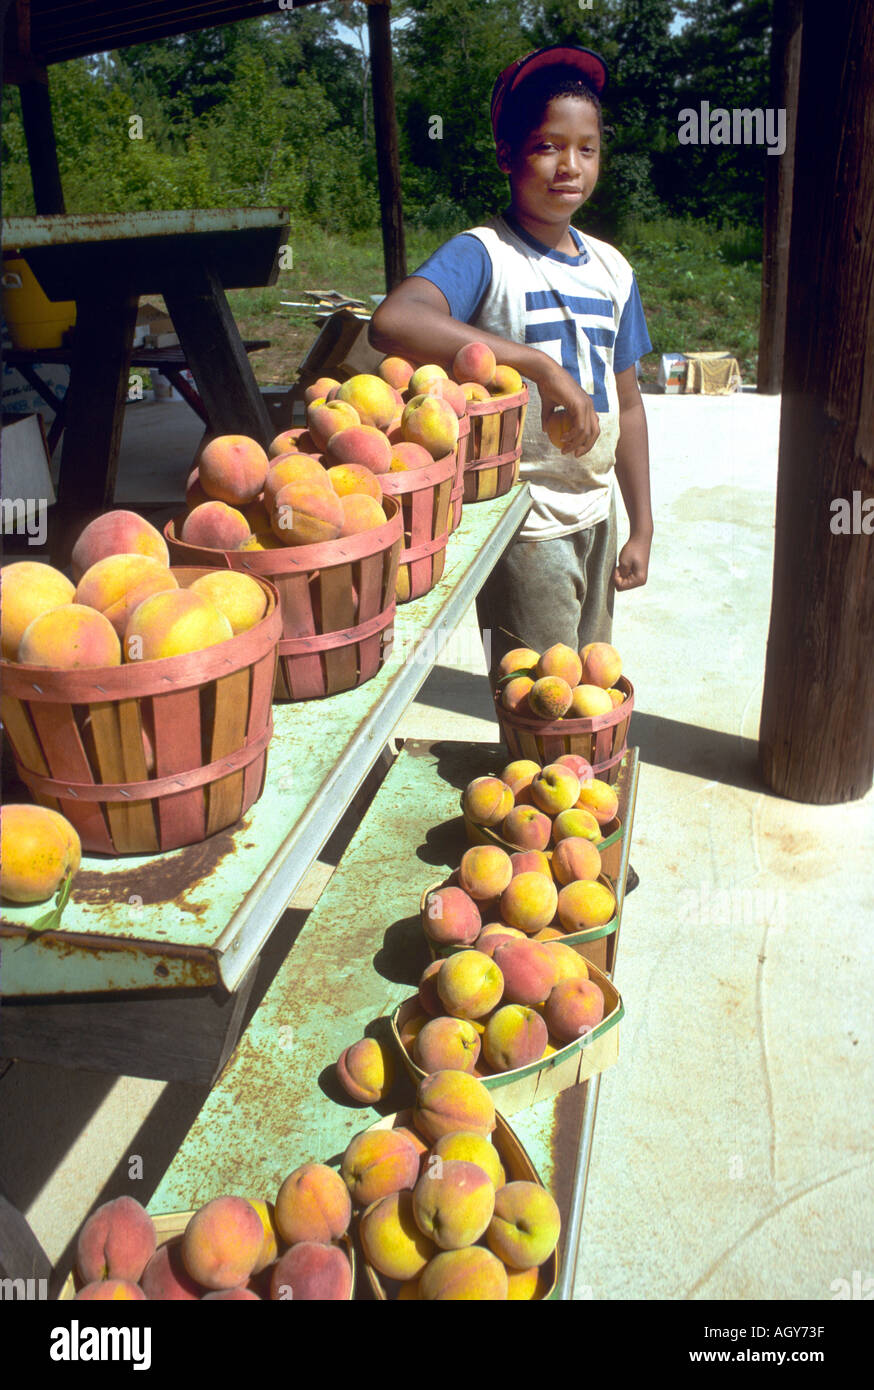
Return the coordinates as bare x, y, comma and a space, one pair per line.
168, 879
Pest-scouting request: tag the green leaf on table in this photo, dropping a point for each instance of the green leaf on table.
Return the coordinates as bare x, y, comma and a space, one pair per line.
51, 920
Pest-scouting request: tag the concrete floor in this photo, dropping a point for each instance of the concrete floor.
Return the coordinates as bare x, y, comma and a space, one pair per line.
732, 1155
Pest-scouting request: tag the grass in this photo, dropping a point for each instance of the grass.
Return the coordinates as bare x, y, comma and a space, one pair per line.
700, 288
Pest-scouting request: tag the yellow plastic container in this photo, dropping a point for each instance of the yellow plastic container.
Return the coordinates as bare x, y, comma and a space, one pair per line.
33, 320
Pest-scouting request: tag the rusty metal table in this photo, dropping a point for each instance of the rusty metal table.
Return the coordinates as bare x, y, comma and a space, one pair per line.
359, 954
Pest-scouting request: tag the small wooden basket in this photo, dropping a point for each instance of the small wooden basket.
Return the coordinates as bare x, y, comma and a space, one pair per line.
337, 600
461, 451
495, 446
426, 497
83, 740
601, 740
518, 1167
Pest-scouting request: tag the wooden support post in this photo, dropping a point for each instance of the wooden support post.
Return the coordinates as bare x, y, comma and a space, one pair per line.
816, 739
386, 131
42, 150
785, 61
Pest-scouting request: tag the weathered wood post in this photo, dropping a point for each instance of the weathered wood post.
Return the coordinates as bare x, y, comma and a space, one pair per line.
386, 133
785, 61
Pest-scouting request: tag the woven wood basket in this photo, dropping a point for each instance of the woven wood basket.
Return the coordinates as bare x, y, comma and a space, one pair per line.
81, 739
494, 446
337, 601
600, 740
426, 497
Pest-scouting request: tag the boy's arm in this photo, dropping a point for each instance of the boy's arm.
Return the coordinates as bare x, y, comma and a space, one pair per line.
414, 321
632, 474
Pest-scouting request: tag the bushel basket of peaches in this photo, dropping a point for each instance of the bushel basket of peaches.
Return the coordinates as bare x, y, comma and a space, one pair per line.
497, 401
137, 698
560, 701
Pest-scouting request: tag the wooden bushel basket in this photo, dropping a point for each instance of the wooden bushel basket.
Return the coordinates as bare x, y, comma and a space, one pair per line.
426, 497
601, 740
495, 446
81, 739
461, 454
337, 600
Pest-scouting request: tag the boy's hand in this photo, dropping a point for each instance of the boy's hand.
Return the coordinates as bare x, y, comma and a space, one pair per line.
559, 391
633, 563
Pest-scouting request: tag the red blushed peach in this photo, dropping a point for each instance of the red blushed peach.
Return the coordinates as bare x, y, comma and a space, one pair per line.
372, 398
589, 702
554, 789
584, 904
474, 362
306, 514
116, 1242
471, 1274
527, 827
312, 1204
472, 1148
514, 697
116, 533
487, 801
519, 775
506, 381
526, 1225
406, 456
428, 996
378, 1162
521, 659
366, 1071
325, 419
390, 1238
602, 665
418, 382
293, 468
567, 964
360, 444
528, 970
450, 392
578, 765
232, 468
111, 1291
453, 1202
396, 371
514, 1037
320, 388
451, 916
172, 623
231, 1296
27, 589
165, 1278
360, 513
550, 697
447, 1044
469, 984
349, 478
562, 661
577, 823
288, 442
575, 857
222, 1242
310, 1273
494, 935
216, 526
431, 422
484, 872
70, 638
530, 861
474, 392
574, 1008
599, 798
448, 1101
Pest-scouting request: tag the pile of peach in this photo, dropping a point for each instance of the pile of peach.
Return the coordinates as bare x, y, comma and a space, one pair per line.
530, 807
561, 683
39, 848
122, 604
438, 1216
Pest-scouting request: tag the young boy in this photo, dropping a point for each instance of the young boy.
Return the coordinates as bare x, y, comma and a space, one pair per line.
563, 309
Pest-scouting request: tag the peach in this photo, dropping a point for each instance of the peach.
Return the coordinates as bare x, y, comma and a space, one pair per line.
528, 970
580, 766
546, 934
575, 857
239, 596
311, 1272
473, 391
487, 801
451, 915
474, 362
171, 623
116, 533
232, 468
165, 1278
448, 1101
109, 1290
216, 526
567, 964
472, 1148
447, 1044
69, 638
116, 1242
256, 513
325, 419
366, 1070
431, 422
527, 827
472, 1273
222, 1242
319, 388
576, 823
360, 513
288, 442
574, 1008
396, 371
361, 444
428, 996
562, 661
406, 456
269, 1247
264, 540
238, 1295
558, 428
525, 1228
531, 861
36, 852
306, 514
554, 789
521, 659
484, 871
372, 398
514, 695
602, 664
378, 1162
469, 984
117, 583
492, 936
617, 696
448, 391
599, 798
529, 902
28, 589
422, 376
519, 775
514, 1037
550, 697
312, 1204
589, 702
391, 1239
410, 1029
408, 1291
505, 382
293, 468
349, 478
524, 1285
453, 1202
585, 904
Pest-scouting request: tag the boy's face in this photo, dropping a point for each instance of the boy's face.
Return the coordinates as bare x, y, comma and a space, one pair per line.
557, 167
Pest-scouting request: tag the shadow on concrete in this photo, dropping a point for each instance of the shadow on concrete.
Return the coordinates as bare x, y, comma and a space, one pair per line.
728, 759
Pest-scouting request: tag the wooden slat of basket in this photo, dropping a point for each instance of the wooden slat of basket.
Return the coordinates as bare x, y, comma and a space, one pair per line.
224, 798
178, 739
490, 438
510, 431
260, 699
140, 816
58, 733
19, 731
300, 673
339, 611
371, 600
486, 483
115, 750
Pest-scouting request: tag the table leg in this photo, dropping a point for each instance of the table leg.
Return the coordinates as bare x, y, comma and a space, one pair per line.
217, 358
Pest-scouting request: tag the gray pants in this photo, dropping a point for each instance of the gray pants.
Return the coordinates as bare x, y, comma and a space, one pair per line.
543, 592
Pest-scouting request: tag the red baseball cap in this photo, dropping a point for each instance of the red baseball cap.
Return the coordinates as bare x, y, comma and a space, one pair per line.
590, 65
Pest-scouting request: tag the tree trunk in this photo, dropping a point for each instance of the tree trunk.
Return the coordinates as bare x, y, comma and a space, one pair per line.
816, 739
386, 136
